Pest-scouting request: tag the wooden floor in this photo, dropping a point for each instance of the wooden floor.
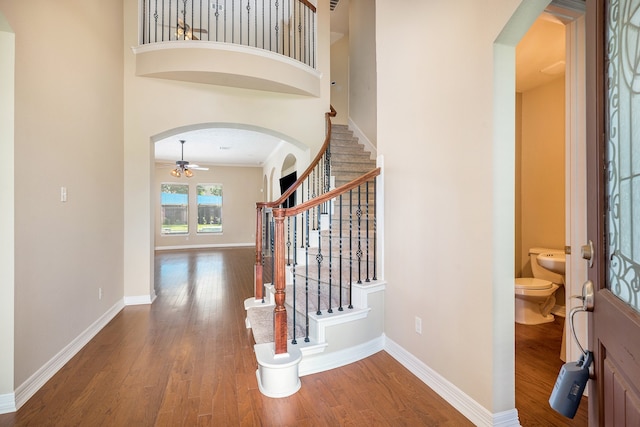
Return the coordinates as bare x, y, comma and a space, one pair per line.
187, 360
537, 366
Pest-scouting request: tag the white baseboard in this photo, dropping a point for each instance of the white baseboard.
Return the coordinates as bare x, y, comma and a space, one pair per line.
140, 299
211, 246
324, 362
467, 406
7, 403
27, 389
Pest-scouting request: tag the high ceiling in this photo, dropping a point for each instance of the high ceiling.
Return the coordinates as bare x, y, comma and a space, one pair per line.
539, 59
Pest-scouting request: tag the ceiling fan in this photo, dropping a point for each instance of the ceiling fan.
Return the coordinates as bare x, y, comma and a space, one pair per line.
183, 167
185, 32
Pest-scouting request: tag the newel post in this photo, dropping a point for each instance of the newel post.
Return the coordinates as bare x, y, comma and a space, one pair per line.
257, 270
280, 312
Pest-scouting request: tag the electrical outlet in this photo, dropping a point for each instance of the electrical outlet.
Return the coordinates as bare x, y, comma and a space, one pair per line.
99, 293
418, 325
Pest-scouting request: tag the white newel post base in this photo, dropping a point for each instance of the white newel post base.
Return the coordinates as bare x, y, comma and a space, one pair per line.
277, 374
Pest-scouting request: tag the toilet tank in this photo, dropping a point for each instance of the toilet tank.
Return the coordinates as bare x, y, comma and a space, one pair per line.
540, 272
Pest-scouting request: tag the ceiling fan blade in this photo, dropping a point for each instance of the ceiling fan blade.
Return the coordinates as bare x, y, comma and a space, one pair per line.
197, 167
199, 30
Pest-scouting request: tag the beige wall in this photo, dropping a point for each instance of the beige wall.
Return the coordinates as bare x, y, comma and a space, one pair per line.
68, 132
363, 98
240, 191
446, 108
149, 111
542, 184
7, 218
518, 184
340, 75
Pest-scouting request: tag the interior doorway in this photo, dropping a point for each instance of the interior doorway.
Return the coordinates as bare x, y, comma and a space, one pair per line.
570, 152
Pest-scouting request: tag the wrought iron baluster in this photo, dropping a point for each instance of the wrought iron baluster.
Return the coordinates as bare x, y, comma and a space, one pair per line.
330, 310
289, 240
359, 251
350, 245
375, 229
319, 259
306, 282
367, 225
248, 23
340, 308
295, 263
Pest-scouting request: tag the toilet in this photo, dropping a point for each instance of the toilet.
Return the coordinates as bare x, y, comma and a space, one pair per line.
535, 296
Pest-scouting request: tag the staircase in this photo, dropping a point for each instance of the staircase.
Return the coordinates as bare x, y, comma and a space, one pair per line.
334, 302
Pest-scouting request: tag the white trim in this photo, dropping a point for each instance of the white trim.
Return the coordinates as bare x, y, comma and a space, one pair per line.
208, 246
7, 403
140, 299
324, 362
27, 389
468, 407
362, 139
319, 324
227, 47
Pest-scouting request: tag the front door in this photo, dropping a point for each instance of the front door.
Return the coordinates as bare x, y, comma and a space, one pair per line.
613, 204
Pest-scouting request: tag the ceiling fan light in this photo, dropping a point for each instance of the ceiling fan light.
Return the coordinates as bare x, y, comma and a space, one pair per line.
175, 172
188, 173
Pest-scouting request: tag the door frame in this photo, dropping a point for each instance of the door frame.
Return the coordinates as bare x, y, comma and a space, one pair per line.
595, 160
576, 178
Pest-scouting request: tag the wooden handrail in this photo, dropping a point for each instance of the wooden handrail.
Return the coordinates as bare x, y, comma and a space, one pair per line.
262, 206
308, 4
307, 172
279, 214
309, 204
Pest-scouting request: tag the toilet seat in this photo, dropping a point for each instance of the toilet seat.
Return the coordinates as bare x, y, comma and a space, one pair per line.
533, 284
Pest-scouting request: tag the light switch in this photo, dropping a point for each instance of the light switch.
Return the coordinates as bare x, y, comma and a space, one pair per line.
63, 194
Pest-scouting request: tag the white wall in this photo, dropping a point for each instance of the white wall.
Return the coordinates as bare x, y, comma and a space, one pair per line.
68, 132
272, 169
240, 192
362, 67
446, 126
149, 111
340, 75
7, 224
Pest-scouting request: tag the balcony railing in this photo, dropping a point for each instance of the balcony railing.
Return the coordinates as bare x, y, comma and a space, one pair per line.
287, 27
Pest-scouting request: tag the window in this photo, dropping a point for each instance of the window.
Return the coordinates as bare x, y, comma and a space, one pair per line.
209, 208
174, 202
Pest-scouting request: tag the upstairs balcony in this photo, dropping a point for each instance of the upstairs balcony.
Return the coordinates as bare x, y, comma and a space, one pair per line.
254, 44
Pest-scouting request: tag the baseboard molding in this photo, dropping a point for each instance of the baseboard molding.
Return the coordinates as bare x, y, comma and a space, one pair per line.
467, 406
27, 389
362, 139
140, 299
211, 246
326, 361
7, 403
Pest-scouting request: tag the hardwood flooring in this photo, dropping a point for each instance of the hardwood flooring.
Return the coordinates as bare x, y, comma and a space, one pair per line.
537, 366
187, 360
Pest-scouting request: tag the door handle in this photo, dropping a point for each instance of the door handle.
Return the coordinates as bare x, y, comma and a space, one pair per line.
587, 296
587, 252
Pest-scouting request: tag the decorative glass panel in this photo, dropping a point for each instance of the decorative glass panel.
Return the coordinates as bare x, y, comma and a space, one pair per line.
623, 150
